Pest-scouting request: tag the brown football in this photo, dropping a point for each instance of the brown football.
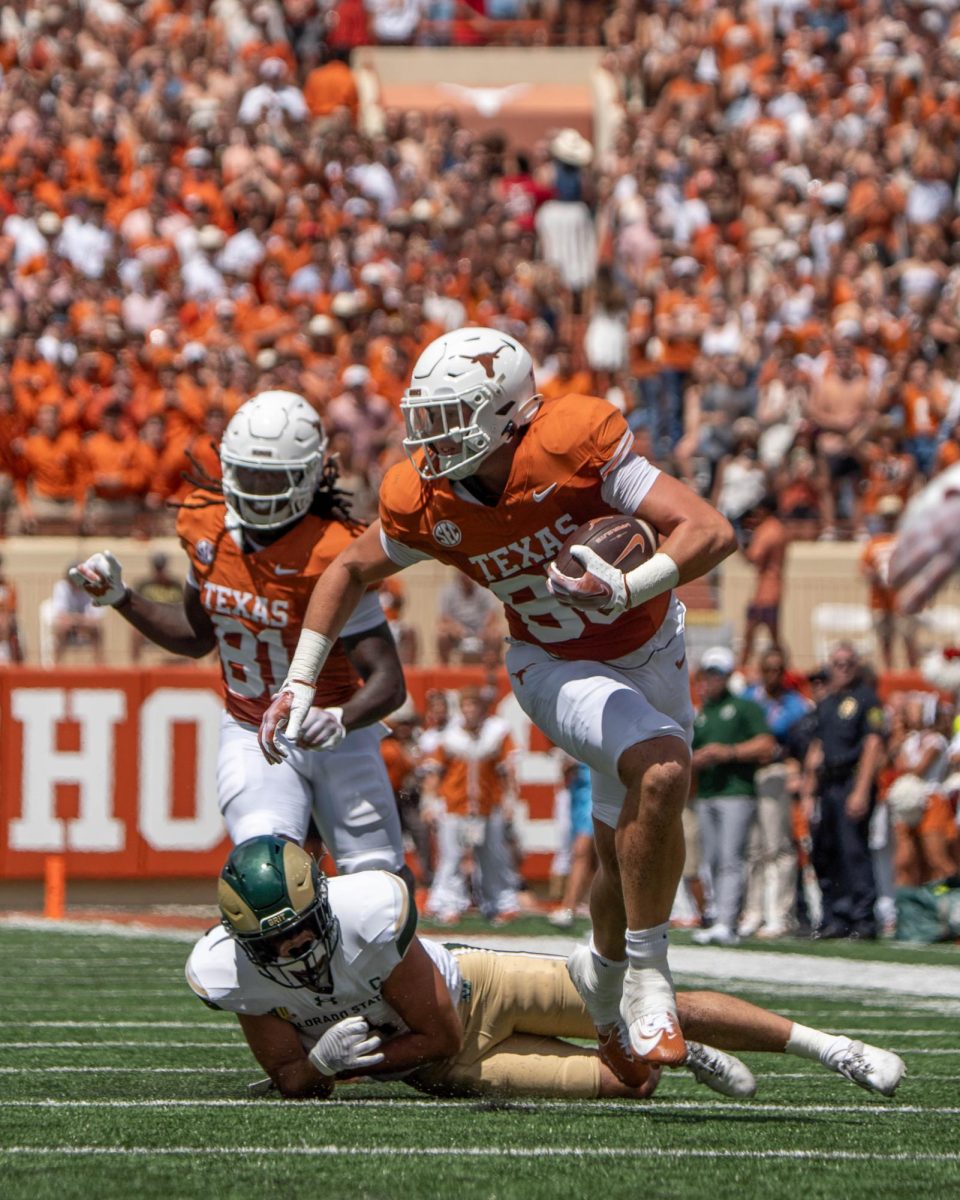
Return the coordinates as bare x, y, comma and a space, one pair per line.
624, 542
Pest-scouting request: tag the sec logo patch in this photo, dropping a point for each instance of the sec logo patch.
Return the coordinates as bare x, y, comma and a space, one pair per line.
205, 551
447, 533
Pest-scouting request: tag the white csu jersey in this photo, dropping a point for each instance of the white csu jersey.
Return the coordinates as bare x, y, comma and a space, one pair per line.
377, 924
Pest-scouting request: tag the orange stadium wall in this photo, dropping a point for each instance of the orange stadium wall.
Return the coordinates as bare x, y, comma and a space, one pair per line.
115, 769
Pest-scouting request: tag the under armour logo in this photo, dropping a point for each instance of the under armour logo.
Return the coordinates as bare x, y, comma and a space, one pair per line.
486, 360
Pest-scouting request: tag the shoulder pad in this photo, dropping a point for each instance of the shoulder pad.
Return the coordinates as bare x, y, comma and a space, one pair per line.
402, 491
568, 426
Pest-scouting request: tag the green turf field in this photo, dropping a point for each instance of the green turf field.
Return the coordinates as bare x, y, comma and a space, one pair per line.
115, 1081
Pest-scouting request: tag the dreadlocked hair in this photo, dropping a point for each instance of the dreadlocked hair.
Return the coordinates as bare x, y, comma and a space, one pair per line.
330, 502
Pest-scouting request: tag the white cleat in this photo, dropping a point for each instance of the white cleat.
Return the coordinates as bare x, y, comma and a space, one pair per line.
648, 1009
599, 990
716, 935
722, 1072
868, 1066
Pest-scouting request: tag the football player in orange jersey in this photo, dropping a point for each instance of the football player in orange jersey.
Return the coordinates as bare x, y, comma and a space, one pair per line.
497, 479
256, 545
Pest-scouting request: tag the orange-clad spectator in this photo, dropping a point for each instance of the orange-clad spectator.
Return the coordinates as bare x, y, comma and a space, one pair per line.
13, 428
187, 463
201, 185
53, 488
117, 469
888, 470
11, 649
566, 381
681, 314
924, 826
924, 407
401, 757
680, 317
875, 569
766, 551
331, 86
30, 373
472, 772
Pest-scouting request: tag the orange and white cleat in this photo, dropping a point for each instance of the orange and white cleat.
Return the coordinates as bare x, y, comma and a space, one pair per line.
649, 1011
615, 1050
656, 1038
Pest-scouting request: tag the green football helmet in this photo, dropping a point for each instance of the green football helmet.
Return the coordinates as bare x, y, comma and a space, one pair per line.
270, 891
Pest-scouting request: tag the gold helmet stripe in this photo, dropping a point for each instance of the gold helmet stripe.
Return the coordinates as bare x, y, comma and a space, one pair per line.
298, 876
240, 915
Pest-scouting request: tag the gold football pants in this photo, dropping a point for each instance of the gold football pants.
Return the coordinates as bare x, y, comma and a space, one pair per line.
516, 1010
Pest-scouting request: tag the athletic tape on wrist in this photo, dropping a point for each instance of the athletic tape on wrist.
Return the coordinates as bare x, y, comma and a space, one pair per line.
656, 575
309, 656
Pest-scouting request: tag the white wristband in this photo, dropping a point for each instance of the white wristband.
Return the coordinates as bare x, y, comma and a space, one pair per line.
656, 575
309, 656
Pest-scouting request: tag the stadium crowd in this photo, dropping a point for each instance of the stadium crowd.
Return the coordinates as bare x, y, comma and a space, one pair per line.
190, 212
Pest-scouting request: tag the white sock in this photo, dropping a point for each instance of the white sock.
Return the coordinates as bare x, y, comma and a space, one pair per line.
805, 1042
648, 947
606, 964
649, 973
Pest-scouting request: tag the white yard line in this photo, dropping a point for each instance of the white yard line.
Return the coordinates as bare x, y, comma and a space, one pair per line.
213, 1025
671, 1080
98, 1070
236, 1044
415, 1103
533, 1152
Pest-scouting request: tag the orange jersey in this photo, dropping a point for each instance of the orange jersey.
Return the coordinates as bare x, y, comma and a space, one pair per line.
257, 600
398, 761
555, 485
473, 768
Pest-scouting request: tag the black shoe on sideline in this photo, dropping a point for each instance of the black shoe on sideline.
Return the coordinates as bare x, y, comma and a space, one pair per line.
863, 932
831, 931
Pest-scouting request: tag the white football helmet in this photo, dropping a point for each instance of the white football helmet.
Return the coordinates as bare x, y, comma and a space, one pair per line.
272, 453
469, 391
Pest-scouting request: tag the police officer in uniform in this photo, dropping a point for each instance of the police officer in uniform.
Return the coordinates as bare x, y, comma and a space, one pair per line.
840, 771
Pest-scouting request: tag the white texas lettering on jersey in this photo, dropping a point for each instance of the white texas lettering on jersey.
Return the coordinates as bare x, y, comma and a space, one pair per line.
528, 551
373, 908
228, 601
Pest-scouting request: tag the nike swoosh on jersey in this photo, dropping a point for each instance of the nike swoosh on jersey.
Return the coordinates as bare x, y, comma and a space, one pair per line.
286, 570
678, 662
543, 493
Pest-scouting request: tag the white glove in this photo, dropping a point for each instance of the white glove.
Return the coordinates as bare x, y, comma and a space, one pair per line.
101, 577
285, 714
322, 729
928, 542
347, 1046
602, 587
605, 588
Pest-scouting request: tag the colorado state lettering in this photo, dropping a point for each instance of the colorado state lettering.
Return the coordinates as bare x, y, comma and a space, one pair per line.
530, 551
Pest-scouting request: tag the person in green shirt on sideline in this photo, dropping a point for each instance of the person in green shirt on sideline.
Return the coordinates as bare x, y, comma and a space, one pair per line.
730, 740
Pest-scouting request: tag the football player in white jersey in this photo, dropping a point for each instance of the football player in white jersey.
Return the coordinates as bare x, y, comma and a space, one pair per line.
329, 981
256, 543
927, 551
